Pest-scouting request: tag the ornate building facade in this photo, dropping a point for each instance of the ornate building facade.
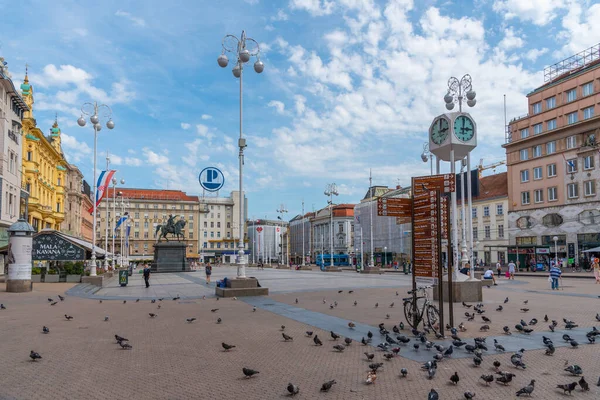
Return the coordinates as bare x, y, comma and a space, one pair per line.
44, 169
78, 220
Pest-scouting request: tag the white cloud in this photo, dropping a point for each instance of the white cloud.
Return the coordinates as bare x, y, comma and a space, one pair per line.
540, 12
133, 19
269, 28
510, 40
80, 32
153, 158
65, 74
314, 7
581, 29
277, 105
133, 162
533, 54
115, 159
185, 126
74, 149
280, 16
251, 2
206, 116
204, 131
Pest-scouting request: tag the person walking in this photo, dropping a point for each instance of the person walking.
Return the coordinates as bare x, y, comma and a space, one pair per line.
498, 268
596, 266
208, 272
147, 275
511, 270
555, 273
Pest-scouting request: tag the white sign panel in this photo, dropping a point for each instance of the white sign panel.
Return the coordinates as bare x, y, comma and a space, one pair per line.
19, 272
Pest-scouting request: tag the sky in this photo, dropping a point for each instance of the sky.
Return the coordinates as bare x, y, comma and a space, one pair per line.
349, 86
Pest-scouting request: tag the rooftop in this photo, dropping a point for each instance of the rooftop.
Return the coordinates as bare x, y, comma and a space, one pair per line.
492, 187
153, 194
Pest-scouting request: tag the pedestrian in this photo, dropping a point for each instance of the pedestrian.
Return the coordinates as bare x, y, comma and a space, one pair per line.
511, 270
555, 273
596, 266
208, 271
489, 274
498, 268
147, 275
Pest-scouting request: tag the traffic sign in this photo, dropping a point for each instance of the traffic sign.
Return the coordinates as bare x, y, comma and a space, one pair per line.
445, 183
394, 207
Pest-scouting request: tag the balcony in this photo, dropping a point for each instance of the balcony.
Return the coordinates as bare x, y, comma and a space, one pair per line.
14, 136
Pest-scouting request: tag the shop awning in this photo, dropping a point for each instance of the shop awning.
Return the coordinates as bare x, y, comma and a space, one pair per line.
594, 250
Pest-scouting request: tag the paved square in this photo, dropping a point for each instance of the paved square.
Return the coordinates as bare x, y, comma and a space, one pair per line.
174, 359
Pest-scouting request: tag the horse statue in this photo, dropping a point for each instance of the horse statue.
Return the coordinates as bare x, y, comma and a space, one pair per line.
174, 229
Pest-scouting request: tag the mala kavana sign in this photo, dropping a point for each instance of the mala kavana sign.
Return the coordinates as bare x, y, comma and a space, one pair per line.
55, 248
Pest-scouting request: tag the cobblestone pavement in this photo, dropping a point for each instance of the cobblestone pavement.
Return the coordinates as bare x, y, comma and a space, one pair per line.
174, 359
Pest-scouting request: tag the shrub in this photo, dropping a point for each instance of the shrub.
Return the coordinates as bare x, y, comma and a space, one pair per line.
51, 271
36, 271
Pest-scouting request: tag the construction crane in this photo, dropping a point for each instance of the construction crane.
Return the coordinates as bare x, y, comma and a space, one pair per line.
481, 167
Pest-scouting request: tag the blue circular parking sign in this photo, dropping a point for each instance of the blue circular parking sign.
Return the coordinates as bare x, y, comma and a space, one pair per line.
211, 179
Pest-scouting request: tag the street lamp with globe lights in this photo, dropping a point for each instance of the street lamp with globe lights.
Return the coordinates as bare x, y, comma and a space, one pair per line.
95, 111
555, 238
457, 90
243, 48
331, 191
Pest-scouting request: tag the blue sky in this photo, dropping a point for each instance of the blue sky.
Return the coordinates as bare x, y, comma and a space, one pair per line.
348, 86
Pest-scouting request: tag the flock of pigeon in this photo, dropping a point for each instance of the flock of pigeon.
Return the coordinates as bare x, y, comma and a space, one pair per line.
391, 347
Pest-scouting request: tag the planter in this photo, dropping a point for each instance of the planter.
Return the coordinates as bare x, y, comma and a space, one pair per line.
36, 278
74, 278
51, 278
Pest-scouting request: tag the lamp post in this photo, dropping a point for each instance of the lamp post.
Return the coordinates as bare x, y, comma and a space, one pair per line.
555, 238
281, 211
94, 110
331, 191
426, 155
303, 252
384, 256
114, 182
243, 48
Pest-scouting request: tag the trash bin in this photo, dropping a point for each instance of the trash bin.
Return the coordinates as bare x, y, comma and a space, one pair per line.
130, 270
123, 277
404, 269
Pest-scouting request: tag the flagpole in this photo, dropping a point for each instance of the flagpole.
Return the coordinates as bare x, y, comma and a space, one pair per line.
106, 225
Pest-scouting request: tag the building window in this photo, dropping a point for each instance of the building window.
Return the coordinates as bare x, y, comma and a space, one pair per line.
475, 233
550, 102
228, 235
487, 231
212, 234
191, 235
571, 95
136, 235
218, 224
524, 154
588, 88
145, 235
205, 234
474, 212
136, 224
146, 225
226, 245
500, 231
218, 234
212, 224
572, 165
525, 198
538, 196
524, 133
191, 225
537, 151
137, 215
29, 156
552, 194
537, 129
588, 162
572, 190
588, 112
205, 245
589, 188
551, 147
537, 107
551, 170
571, 142
572, 117
218, 245
551, 124
205, 224
537, 173
499, 209
212, 245
486, 211
229, 225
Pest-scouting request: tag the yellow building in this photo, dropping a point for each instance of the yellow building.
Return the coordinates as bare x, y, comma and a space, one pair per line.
44, 169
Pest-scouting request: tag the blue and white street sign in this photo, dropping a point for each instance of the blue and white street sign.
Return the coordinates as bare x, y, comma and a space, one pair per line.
211, 179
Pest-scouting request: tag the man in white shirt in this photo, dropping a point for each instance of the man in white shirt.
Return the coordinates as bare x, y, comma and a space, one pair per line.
489, 274
511, 270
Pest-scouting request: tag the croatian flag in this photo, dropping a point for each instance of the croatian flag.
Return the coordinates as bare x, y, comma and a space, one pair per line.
121, 220
103, 182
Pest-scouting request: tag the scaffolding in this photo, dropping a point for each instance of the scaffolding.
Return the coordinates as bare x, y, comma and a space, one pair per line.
572, 64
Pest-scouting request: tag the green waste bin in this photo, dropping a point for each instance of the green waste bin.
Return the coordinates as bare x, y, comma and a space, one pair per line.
123, 277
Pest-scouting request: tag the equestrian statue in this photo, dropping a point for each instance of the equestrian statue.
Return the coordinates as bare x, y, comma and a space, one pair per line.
172, 227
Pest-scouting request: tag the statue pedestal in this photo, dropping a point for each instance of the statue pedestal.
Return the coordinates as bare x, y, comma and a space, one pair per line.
463, 289
170, 257
239, 287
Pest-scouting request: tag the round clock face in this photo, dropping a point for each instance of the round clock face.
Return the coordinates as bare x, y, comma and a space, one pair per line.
439, 130
464, 128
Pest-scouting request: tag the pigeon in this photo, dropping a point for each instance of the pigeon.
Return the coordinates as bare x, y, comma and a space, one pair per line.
533, 321
458, 343
428, 345
309, 333
388, 356
527, 330
50, 300
350, 291
438, 357
506, 330
403, 372
369, 356
449, 351
396, 350
153, 301
327, 385
570, 325
137, 300
519, 327
34, 356
296, 300
390, 340
395, 329
487, 378
523, 323
584, 385
2, 307
401, 326
100, 301
376, 305
324, 301
286, 337
467, 305
477, 361
484, 328
569, 387
469, 395
392, 305
550, 350
506, 300
317, 341
364, 341
331, 306
45, 329
347, 341
505, 378
496, 364
53, 303
125, 346
431, 373
253, 309
486, 319
293, 389
597, 316
176, 298
152, 315
498, 346
227, 347
387, 316
61, 298
375, 366
249, 373
551, 328
68, 317
500, 308
351, 325
214, 309
567, 338
516, 361
334, 336
454, 378
574, 343
105, 318
524, 309
370, 335
219, 320
124, 301
574, 369
340, 291
527, 389
282, 327
355, 302
121, 339
433, 395
526, 301
416, 346
190, 319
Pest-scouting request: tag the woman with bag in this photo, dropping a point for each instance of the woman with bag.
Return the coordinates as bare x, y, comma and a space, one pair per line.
596, 266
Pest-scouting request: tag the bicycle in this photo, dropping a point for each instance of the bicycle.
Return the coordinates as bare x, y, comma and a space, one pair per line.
426, 309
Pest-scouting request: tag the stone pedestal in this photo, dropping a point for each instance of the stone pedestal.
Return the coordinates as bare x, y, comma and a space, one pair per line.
170, 257
238, 287
97, 280
374, 270
333, 269
469, 291
18, 286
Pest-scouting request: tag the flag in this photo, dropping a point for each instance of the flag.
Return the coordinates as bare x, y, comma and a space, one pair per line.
103, 182
121, 220
127, 230
570, 163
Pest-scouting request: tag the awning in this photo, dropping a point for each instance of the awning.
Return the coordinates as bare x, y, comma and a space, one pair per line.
52, 245
594, 250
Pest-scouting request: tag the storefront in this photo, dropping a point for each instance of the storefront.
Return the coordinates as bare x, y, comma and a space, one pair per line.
530, 258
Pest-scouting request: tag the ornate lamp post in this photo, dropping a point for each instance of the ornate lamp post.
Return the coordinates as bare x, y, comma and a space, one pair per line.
331, 191
281, 211
426, 155
94, 110
114, 227
243, 48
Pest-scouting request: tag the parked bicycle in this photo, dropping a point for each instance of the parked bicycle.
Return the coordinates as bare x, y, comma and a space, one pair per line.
419, 309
